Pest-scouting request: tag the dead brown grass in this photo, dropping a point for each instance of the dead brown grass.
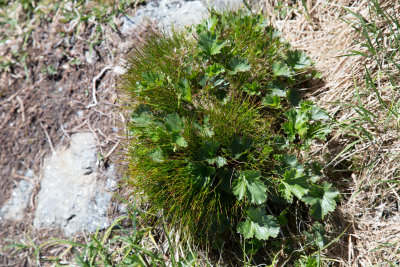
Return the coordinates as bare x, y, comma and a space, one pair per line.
371, 202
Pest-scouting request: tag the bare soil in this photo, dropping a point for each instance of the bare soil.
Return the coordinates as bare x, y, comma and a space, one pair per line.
46, 98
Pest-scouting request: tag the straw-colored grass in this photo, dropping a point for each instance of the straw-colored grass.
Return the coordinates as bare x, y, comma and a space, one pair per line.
371, 203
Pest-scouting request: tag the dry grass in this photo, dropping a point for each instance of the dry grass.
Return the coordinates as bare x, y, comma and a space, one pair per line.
371, 202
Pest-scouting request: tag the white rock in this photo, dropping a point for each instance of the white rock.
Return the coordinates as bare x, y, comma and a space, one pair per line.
168, 14
223, 5
176, 14
15, 207
72, 198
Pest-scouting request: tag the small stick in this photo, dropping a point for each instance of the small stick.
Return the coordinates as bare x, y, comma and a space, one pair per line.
111, 150
136, 3
10, 98
21, 105
65, 133
25, 178
49, 140
350, 249
122, 117
94, 103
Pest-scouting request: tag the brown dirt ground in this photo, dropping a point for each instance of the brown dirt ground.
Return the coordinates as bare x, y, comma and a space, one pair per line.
40, 109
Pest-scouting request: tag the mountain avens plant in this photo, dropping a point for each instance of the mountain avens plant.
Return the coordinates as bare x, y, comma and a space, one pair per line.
219, 135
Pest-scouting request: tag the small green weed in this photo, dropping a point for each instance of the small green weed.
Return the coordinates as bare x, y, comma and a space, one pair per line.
376, 102
376, 119
380, 43
72, 16
124, 243
219, 135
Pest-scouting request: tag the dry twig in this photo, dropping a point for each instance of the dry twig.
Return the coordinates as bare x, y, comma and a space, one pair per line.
94, 103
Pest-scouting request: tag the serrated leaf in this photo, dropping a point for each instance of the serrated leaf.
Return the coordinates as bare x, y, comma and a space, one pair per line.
322, 200
282, 220
309, 261
143, 120
298, 60
277, 88
239, 146
280, 142
289, 160
174, 123
240, 188
179, 140
318, 130
288, 163
252, 88
208, 150
306, 105
297, 124
145, 123
237, 64
205, 130
202, 80
294, 97
250, 186
152, 77
319, 235
209, 24
281, 69
318, 114
293, 184
214, 70
257, 191
220, 161
156, 155
201, 172
288, 128
272, 101
184, 90
258, 225
209, 43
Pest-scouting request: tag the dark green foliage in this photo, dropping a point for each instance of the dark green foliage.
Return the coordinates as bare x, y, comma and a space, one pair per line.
217, 121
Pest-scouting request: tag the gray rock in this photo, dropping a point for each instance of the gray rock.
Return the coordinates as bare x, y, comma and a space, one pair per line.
15, 207
223, 5
176, 13
72, 197
168, 14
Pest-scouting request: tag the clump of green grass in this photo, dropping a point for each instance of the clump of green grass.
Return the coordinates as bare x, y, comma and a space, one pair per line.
219, 136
